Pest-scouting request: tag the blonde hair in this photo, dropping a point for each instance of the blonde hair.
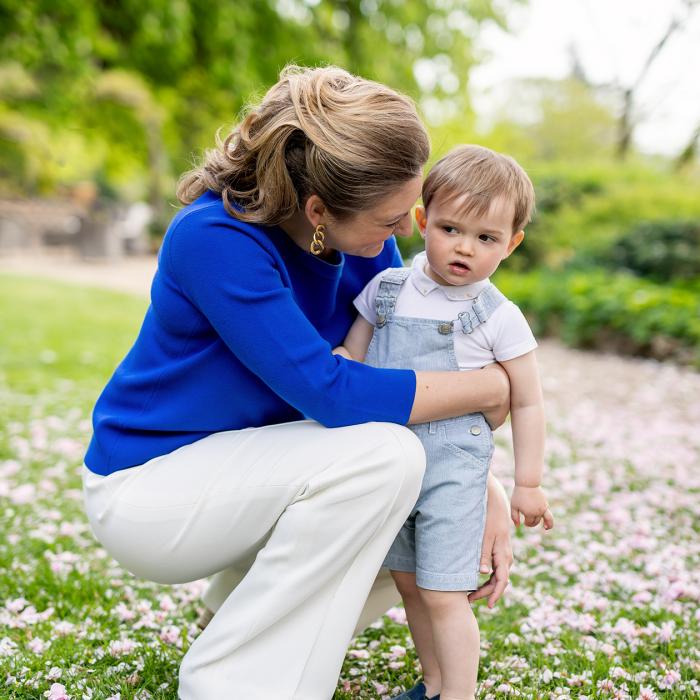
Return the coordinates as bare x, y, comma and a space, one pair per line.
317, 131
482, 175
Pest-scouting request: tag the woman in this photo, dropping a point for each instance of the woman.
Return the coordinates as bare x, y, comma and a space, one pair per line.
231, 442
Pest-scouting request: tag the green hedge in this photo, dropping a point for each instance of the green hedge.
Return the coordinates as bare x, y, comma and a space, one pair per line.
585, 211
658, 250
599, 309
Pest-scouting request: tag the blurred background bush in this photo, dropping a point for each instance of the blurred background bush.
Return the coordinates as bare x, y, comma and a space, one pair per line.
110, 102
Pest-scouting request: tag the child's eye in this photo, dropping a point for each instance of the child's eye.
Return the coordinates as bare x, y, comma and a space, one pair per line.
485, 237
449, 229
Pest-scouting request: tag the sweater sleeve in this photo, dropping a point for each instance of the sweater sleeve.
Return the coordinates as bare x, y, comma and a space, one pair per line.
236, 284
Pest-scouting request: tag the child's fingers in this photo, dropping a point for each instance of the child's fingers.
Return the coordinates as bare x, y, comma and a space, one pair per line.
515, 516
548, 519
532, 521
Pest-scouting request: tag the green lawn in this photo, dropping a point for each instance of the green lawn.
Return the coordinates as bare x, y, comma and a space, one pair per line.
605, 606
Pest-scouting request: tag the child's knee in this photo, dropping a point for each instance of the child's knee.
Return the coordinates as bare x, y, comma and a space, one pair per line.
443, 601
405, 583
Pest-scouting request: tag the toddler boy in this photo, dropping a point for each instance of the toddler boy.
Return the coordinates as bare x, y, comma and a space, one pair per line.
444, 314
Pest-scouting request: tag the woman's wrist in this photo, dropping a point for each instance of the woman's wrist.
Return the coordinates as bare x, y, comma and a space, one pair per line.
499, 394
497, 413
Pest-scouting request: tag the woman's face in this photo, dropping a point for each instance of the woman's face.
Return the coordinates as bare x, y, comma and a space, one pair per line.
364, 233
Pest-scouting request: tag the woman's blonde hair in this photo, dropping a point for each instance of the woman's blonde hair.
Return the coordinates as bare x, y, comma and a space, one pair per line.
317, 131
482, 175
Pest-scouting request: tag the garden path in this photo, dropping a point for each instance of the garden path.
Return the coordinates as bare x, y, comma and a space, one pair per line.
131, 275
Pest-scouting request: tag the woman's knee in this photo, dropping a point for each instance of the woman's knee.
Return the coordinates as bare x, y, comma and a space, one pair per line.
406, 454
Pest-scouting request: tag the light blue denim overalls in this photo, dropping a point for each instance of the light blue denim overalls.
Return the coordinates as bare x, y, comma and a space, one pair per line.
441, 539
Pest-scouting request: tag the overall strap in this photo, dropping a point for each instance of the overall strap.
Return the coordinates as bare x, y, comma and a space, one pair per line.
488, 300
389, 288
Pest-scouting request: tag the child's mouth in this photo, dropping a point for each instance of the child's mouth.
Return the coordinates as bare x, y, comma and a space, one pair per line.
458, 268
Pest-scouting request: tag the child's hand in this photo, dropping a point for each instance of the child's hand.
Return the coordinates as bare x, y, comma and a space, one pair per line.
531, 503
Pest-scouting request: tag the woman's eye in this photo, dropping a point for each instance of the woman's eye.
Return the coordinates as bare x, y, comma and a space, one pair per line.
394, 225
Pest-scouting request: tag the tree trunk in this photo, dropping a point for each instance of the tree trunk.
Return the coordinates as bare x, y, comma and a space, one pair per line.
689, 153
624, 133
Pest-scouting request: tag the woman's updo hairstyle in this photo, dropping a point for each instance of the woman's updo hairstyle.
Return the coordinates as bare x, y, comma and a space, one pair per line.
317, 131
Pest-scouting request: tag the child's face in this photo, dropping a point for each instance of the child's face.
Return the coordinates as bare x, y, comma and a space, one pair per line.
466, 248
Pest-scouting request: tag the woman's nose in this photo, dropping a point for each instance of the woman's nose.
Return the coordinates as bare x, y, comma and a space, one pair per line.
404, 227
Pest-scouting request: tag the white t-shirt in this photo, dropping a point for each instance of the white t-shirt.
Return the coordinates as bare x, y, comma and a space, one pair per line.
505, 335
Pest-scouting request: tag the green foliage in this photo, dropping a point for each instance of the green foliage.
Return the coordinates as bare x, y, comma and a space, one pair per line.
555, 191
583, 210
660, 250
597, 308
184, 68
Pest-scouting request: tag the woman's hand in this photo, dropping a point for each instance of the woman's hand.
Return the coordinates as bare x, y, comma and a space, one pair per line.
496, 552
496, 415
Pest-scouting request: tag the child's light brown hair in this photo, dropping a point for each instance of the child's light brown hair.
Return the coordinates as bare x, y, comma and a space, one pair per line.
482, 175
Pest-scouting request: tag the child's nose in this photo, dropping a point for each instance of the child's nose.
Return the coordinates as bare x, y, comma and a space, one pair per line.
465, 245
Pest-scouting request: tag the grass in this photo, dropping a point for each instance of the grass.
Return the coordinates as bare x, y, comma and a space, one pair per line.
605, 606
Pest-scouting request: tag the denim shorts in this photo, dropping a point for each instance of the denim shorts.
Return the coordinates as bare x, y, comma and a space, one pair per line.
441, 539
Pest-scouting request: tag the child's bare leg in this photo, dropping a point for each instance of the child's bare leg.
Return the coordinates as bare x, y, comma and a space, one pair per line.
421, 629
455, 641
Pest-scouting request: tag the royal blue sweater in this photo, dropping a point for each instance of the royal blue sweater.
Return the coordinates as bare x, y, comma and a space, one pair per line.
238, 334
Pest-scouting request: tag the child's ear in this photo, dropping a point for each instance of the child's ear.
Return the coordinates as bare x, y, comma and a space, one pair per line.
515, 240
421, 220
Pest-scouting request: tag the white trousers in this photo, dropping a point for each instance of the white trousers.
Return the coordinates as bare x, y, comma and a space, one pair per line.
292, 522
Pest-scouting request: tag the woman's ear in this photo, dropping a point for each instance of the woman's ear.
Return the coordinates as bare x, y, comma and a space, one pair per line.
515, 240
315, 210
421, 220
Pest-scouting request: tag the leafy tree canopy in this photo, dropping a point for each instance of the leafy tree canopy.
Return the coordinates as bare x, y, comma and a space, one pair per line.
125, 87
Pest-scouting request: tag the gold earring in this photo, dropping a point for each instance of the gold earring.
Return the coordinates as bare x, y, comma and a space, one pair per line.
317, 246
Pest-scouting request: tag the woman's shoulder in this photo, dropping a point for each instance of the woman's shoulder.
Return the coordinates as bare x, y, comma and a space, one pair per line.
204, 228
207, 215
204, 245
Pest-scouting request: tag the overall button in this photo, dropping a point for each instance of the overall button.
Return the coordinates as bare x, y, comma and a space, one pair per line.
475, 430
445, 328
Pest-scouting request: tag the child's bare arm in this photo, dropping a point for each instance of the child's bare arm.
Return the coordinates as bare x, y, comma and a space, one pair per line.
357, 340
527, 418
528, 425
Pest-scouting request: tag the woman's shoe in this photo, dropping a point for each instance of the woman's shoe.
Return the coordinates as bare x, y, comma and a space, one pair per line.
204, 618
